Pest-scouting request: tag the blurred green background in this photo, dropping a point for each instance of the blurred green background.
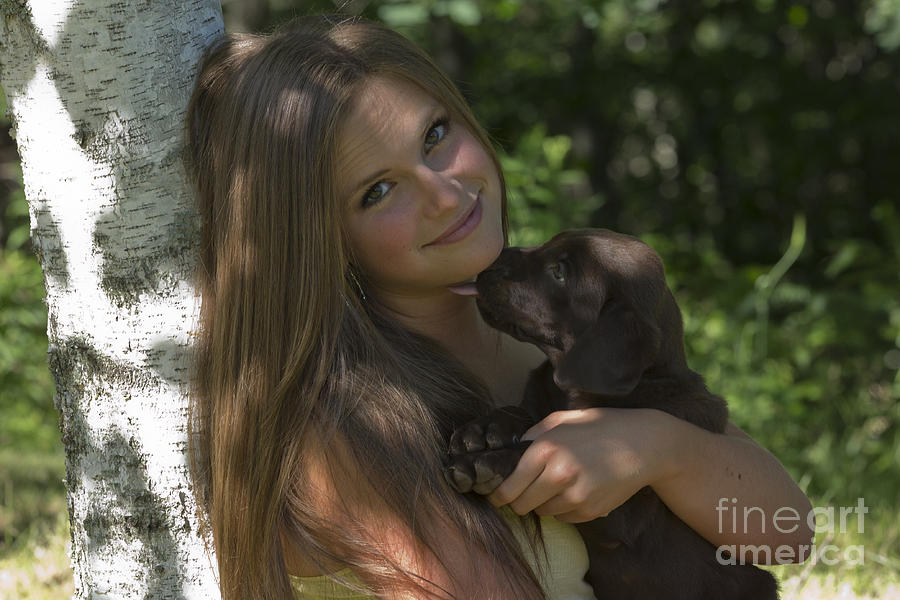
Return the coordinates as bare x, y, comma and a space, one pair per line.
753, 143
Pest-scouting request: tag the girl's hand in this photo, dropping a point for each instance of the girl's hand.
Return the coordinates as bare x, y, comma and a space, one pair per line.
585, 463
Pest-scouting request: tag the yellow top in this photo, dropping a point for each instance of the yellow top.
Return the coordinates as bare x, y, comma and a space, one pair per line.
561, 576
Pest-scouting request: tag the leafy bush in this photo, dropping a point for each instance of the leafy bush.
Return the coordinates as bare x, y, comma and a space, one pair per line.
31, 460
26, 388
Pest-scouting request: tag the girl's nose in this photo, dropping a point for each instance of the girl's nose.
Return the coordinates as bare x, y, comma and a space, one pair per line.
439, 191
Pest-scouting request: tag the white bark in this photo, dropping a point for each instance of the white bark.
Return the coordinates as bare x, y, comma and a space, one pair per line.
97, 91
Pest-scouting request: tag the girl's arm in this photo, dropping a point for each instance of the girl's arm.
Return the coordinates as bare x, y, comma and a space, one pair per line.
585, 463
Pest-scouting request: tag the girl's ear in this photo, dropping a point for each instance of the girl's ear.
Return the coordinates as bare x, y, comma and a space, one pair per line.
611, 355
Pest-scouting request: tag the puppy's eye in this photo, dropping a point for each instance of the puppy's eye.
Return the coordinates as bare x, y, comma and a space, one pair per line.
558, 271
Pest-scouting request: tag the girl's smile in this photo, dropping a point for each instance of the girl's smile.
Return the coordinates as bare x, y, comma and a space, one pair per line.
463, 227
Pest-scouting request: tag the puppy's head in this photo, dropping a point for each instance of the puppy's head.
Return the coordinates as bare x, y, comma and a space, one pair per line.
593, 300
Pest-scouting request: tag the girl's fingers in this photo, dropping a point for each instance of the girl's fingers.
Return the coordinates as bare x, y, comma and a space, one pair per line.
522, 477
541, 475
556, 506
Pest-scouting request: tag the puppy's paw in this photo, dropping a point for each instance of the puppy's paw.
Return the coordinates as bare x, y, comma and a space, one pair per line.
503, 428
482, 472
485, 451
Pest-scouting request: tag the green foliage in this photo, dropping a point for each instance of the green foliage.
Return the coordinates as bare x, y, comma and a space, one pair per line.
809, 368
538, 174
26, 388
31, 460
883, 20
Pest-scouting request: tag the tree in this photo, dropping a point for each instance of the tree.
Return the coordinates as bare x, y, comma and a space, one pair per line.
97, 91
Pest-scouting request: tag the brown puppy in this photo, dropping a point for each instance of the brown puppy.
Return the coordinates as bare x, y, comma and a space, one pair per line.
597, 304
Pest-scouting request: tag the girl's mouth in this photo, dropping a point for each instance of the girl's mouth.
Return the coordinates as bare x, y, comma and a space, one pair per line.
461, 228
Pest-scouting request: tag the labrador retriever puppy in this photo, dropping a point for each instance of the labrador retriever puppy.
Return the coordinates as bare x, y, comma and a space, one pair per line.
596, 302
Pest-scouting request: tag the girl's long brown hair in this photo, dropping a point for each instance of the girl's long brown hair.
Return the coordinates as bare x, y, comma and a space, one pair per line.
291, 363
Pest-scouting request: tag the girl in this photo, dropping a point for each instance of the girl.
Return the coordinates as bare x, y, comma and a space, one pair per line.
344, 188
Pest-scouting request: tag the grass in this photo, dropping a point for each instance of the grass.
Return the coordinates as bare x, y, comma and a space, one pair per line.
851, 565
34, 528
37, 568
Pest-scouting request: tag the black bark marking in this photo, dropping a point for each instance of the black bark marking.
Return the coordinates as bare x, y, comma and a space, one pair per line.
48, 247
129, 270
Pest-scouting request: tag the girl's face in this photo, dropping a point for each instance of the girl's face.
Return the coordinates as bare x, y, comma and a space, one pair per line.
422, 198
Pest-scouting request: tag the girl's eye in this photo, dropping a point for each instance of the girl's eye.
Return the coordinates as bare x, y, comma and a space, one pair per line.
376, 193
436, 133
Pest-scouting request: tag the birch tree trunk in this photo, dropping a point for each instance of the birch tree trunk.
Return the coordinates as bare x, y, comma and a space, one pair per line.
97, 91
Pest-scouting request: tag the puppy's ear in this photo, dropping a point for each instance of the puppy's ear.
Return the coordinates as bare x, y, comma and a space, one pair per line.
609, 357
